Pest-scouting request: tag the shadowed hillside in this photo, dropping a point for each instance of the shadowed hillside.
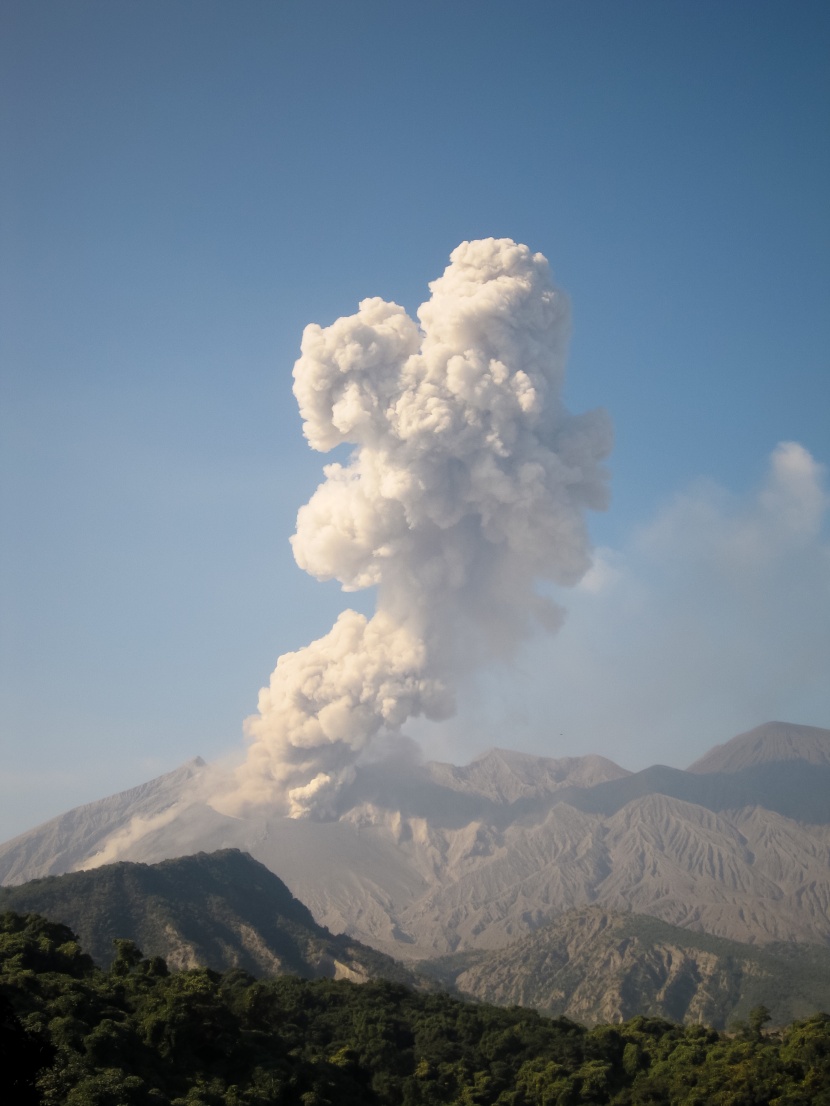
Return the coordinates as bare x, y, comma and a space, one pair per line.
223, 910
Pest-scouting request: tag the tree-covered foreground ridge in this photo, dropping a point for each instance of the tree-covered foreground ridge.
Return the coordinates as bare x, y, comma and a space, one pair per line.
140, 1035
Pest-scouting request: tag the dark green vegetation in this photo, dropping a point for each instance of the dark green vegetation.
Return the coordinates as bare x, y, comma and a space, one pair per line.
223, 909
595, 965
138, 1035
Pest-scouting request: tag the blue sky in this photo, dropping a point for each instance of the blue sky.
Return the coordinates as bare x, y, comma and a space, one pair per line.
188, 184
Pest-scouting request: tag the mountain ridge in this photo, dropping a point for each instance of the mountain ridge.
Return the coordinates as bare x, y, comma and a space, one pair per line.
56, 844
595, 965
223, 910
772, 742
429, 859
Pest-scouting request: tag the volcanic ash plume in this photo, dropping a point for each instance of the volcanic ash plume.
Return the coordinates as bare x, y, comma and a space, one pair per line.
468, 483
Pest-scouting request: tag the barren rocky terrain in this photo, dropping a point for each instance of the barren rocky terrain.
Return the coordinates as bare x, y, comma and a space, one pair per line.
435, 859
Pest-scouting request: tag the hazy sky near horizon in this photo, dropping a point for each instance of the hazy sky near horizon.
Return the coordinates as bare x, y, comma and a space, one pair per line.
187, 185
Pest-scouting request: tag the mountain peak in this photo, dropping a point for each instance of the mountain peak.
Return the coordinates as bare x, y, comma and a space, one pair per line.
772, 742
505, 775
73, 837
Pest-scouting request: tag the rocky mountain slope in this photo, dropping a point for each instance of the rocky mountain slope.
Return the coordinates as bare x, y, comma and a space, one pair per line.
598, 966
68, 841
223, 910
432, 859
774, 743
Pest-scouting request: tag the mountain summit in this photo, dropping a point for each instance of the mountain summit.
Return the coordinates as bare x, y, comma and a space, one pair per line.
72, 839
771, 743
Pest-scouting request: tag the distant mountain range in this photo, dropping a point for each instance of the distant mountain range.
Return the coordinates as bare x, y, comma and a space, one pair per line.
433, 859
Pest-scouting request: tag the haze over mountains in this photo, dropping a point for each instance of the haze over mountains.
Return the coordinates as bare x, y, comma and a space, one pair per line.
432, 859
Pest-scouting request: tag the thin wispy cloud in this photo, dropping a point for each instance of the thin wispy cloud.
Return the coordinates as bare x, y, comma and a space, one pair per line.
713, 618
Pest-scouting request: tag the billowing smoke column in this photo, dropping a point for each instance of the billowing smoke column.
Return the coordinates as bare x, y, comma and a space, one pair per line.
467, 484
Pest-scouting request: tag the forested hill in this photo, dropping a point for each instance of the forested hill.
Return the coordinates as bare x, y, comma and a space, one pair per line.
138, 1035
221, 910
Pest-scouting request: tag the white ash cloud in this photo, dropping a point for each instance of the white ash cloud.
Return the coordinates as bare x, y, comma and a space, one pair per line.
467, 485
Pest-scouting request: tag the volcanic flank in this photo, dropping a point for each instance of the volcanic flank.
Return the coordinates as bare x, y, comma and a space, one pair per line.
431, 859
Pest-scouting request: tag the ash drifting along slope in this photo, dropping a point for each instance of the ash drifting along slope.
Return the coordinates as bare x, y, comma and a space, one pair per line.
71, 839
426, 860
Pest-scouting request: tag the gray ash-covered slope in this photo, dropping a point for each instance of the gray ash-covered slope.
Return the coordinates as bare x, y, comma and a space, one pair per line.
772, 743
597, 966
221, 910
505, 776
69, 840
170, 809
424, 860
